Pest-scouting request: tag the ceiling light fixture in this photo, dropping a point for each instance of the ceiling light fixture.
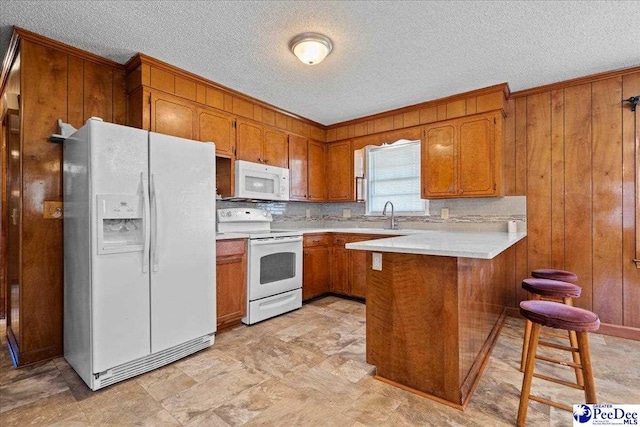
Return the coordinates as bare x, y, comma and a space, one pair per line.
311, 48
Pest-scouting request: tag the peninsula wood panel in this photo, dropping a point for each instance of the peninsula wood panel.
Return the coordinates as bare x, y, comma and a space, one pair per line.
575, 162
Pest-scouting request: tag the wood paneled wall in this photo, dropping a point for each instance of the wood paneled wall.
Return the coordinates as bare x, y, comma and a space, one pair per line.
570, 148
56, 84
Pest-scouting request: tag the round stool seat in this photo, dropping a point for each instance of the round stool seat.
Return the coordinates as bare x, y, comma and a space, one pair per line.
552, 274
560, 316
551, 288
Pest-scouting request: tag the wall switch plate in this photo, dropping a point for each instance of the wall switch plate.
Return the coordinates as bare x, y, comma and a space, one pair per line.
377, 261
307, 213
346, 213
444, 213
53, 210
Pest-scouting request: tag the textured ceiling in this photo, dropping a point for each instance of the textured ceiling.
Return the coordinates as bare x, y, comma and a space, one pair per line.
387, 54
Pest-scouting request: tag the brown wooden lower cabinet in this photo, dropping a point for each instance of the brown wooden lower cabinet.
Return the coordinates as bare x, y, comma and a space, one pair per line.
329, 267
231, 278
317, 275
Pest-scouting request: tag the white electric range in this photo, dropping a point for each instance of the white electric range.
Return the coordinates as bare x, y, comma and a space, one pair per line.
274, 265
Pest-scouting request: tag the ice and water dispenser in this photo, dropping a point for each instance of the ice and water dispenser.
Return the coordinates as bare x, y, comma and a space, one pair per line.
120, 223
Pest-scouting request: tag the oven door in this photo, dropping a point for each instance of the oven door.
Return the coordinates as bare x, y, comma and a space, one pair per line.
275, 266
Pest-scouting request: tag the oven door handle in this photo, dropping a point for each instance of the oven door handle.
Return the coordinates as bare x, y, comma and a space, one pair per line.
275, 241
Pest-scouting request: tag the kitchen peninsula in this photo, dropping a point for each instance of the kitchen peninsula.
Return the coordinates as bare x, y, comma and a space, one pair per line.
435, 305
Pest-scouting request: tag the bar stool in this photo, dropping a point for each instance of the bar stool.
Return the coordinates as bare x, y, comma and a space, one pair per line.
554, 290
560, 316
553, 274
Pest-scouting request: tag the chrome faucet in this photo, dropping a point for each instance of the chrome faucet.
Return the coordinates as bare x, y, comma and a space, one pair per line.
392, 224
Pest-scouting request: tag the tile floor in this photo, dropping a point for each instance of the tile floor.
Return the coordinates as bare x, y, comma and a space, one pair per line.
306, 368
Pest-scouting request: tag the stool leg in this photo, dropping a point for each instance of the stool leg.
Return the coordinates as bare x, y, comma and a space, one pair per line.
585, 361
574, 343
528, 375
527, 337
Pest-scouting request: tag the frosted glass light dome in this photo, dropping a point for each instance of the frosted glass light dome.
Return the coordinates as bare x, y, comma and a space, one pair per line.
311, 48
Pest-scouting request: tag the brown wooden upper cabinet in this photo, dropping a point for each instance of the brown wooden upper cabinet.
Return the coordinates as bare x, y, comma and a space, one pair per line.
463, 157
219, 128
306, 169
261, 144
340, 172
171, 115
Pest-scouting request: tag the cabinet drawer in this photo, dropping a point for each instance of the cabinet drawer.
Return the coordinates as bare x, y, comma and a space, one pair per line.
364, 237
230, 247
316, 240
340, 239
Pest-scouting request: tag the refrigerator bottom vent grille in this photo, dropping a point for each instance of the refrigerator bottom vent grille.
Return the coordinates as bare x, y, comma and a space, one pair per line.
152, 361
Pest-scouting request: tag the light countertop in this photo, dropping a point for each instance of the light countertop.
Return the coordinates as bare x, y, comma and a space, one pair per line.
464, 244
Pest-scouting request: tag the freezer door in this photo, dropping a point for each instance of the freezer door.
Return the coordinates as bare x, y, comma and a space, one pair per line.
120, 286
183, 260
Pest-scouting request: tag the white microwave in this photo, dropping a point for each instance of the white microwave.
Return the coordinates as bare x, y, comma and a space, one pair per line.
261, 182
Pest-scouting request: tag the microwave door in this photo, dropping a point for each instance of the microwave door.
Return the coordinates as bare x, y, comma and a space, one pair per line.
259, 184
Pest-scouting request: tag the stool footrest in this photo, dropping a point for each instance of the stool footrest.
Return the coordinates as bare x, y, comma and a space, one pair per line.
551, 403
551, 333
558, 346
559, 362
558, 381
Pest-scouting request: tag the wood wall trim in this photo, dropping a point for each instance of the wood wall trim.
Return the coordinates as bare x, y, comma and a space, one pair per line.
12, 52
140, 58
575, 82
63, 47
504, 87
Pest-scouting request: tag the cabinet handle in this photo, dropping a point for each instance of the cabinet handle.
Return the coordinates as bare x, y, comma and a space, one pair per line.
315, 240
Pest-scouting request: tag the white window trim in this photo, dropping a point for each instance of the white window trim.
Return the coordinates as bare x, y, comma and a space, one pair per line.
368, 212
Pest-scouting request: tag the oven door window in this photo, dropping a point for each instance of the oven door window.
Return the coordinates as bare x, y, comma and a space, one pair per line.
277, 267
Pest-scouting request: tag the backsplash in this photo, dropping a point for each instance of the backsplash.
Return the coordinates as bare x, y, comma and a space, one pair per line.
489, 214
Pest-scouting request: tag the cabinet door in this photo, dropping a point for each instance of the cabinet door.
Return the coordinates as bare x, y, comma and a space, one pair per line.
219, 128
316, 168
172, 116
317, 275
340, 266
358, 268
249, 141
476, 157
275, 149
231, 287
340, 171
439, 166
298, 167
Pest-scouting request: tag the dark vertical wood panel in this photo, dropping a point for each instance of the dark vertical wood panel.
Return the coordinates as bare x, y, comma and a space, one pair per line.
522, 268
119, 98
578, 188
557, 179
75, 89
98, 91
607, 199
631, 142
539, 180
44, 94
521, 146
509, 148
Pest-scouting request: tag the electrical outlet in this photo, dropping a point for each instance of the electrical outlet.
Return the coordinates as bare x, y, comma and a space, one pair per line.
346, 213
308, 213
444, 213
377, 261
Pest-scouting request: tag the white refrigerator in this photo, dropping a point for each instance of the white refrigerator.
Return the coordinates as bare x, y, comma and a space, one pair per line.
139, 250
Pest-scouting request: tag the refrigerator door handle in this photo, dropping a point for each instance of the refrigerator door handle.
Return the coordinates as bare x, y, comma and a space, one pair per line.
154, 201
147, 225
